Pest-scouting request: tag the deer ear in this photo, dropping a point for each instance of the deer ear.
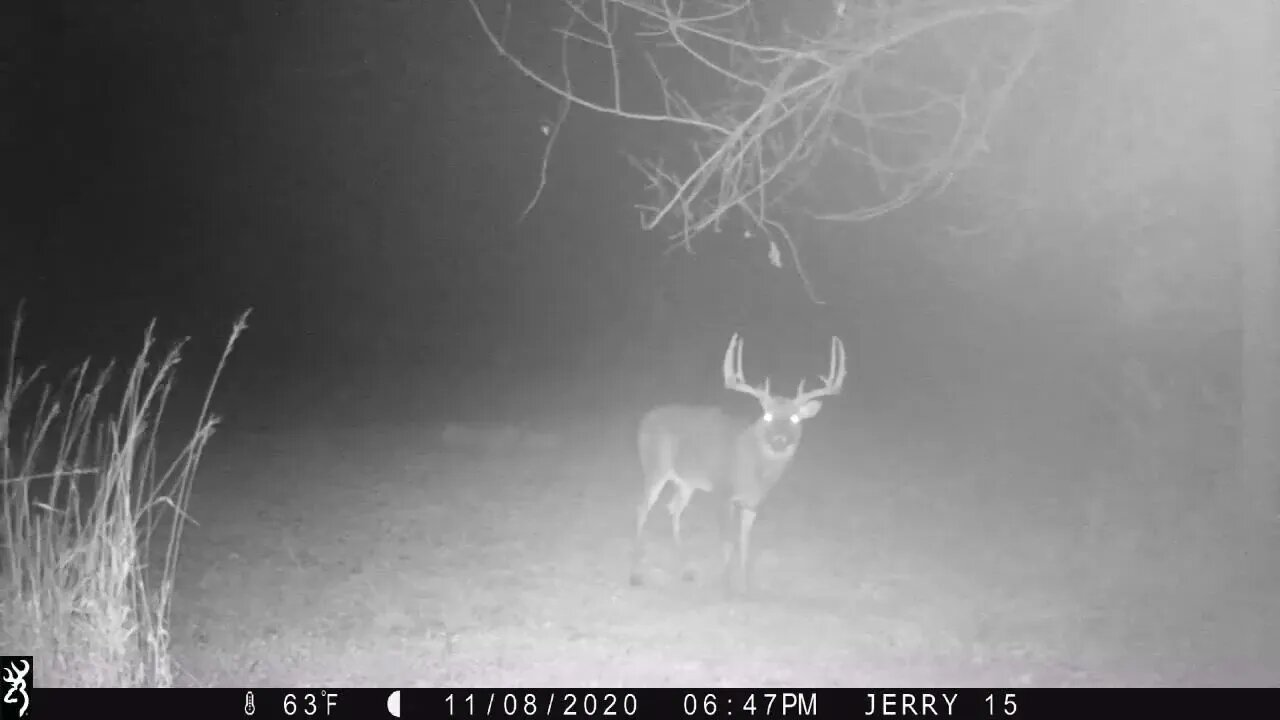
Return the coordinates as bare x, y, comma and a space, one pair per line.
809, 409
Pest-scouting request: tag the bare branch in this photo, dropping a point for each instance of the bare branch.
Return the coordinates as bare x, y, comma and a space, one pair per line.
868, 109
566, 94
553, 132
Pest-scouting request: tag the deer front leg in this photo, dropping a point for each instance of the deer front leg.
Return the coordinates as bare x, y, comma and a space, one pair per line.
746, 519
736, 545
729, 521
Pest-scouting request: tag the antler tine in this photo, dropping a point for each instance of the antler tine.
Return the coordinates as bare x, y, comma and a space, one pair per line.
733, 376
732, 364
833, 381
836, 375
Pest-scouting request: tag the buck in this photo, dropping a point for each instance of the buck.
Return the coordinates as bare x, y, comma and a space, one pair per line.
696, 447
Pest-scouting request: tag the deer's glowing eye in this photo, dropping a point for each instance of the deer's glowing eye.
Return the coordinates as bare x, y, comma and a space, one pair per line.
768, 417
795, 419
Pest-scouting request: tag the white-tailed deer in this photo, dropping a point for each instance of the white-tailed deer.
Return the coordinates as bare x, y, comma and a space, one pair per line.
703, 448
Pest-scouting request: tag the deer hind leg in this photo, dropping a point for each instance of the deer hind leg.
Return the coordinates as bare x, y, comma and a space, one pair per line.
676, 505
652, 489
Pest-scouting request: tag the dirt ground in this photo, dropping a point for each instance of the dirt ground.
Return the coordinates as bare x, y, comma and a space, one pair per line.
378, 557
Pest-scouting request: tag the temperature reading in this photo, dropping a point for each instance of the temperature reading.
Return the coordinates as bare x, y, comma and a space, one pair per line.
320, 703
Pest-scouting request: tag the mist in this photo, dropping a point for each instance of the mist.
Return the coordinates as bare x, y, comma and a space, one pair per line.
426, 471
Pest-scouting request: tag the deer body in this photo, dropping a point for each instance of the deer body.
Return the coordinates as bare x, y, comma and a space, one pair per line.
705, 448
701, 448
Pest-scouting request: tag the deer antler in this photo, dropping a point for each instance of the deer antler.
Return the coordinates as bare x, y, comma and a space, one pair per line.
733, 377
833, 380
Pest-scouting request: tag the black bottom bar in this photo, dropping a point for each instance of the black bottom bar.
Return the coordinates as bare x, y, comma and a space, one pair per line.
366, 704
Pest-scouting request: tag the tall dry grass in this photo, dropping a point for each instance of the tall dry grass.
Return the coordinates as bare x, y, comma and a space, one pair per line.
90, 521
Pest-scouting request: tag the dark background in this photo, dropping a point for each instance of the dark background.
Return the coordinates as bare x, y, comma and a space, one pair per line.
356, 176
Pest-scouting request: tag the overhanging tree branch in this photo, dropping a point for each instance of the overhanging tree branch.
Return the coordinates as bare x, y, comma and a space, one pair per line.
876, 104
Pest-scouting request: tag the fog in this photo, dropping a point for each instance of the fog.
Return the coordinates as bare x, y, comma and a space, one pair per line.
426, 471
